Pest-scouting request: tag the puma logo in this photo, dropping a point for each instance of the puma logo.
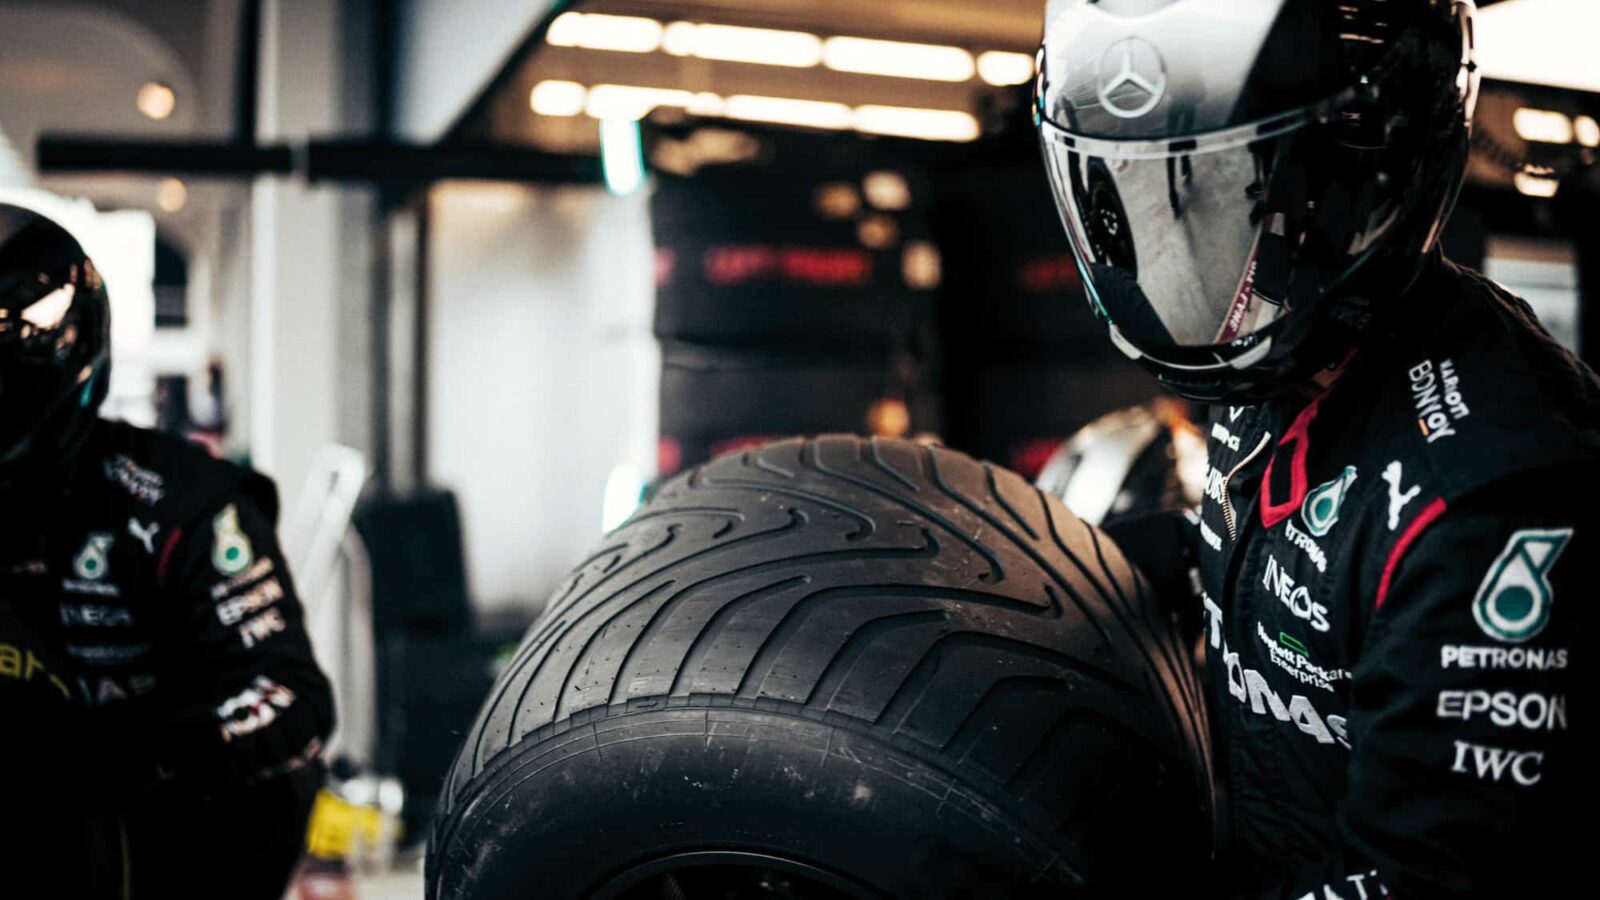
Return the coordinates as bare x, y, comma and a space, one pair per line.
145, 533
1397, 498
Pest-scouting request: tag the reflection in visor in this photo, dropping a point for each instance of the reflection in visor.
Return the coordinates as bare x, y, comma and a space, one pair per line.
1182, 250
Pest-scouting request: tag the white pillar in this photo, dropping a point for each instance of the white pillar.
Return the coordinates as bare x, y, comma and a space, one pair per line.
299, 241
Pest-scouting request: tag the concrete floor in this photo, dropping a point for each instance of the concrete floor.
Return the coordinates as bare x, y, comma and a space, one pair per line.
400, 885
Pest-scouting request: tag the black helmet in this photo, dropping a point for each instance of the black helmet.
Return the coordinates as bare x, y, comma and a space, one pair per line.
55, 343
1241, 181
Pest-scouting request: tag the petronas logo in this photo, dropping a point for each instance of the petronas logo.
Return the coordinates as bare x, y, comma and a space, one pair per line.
91, 563
1513, 604
231, 553
1321, 509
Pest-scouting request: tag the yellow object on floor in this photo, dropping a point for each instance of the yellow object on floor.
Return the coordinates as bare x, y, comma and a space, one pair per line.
341, 829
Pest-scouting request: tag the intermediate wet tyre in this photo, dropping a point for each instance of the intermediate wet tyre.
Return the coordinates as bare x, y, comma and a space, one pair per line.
837, 668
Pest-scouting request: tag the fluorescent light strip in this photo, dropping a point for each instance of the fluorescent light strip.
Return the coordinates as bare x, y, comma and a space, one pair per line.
624, 101
784, 111
594, 31
1540, 42
1004, 69
1587, 131
930, 62
731, 43
630, 103
621, 155
558, 98
792, 49
1535, 185
1542, 125
925, 124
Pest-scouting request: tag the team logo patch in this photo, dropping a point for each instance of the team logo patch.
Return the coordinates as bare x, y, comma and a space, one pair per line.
1322, 505
1513, 603
1133, 78
92, 562
231, 552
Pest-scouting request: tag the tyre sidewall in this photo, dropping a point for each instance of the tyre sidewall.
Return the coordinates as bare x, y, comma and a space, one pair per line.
564, 816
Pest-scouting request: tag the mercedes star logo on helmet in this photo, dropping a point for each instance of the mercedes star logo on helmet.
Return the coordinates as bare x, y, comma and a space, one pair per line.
1133, 78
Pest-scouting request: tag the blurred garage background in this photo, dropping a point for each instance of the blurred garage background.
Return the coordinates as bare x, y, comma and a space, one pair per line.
468, 276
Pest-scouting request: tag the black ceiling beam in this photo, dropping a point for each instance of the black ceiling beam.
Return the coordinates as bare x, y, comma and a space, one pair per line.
61, 153
359, 160
368, 160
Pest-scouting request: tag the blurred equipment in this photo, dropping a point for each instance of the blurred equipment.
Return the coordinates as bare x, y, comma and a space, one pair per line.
785, 304
1025, 364
355, 831
435, 657
1133, 461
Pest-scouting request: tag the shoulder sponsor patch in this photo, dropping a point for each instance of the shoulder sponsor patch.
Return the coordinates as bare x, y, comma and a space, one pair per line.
95, 615
92, 563
1496, 763
141, 484
1531, 659
1513, 603
235, 609
253, 708
231, 552
1322, 505
1436, 392
261, 569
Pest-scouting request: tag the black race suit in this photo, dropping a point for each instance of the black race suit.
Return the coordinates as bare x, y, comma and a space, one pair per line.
159, 580
1399, 586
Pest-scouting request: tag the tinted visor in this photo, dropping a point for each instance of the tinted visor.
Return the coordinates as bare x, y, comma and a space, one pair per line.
46, 356
1194, 248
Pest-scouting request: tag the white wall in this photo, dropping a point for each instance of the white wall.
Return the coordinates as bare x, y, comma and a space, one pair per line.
542, 372
446, 52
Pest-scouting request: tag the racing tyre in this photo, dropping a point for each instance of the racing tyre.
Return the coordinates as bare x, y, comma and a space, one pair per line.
837, 668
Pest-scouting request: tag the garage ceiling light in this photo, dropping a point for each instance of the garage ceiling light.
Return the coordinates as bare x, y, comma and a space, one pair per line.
924, 124
630, 103
621, 156
627, 102
1542, 125
1587, 131
785, 111
1003, 69
155, 100
792, 49
1541, 42
558, 98
172, 195
594, 31
1534, 185
930, 62
731, 43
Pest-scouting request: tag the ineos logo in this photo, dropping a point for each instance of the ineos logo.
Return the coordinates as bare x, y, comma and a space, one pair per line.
1133, 78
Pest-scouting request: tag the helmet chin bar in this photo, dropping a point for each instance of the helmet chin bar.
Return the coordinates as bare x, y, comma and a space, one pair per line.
1123, 344
1242, 361
1251, 357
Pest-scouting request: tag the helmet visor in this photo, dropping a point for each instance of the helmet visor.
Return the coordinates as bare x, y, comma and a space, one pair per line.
47, 356
1207, 241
